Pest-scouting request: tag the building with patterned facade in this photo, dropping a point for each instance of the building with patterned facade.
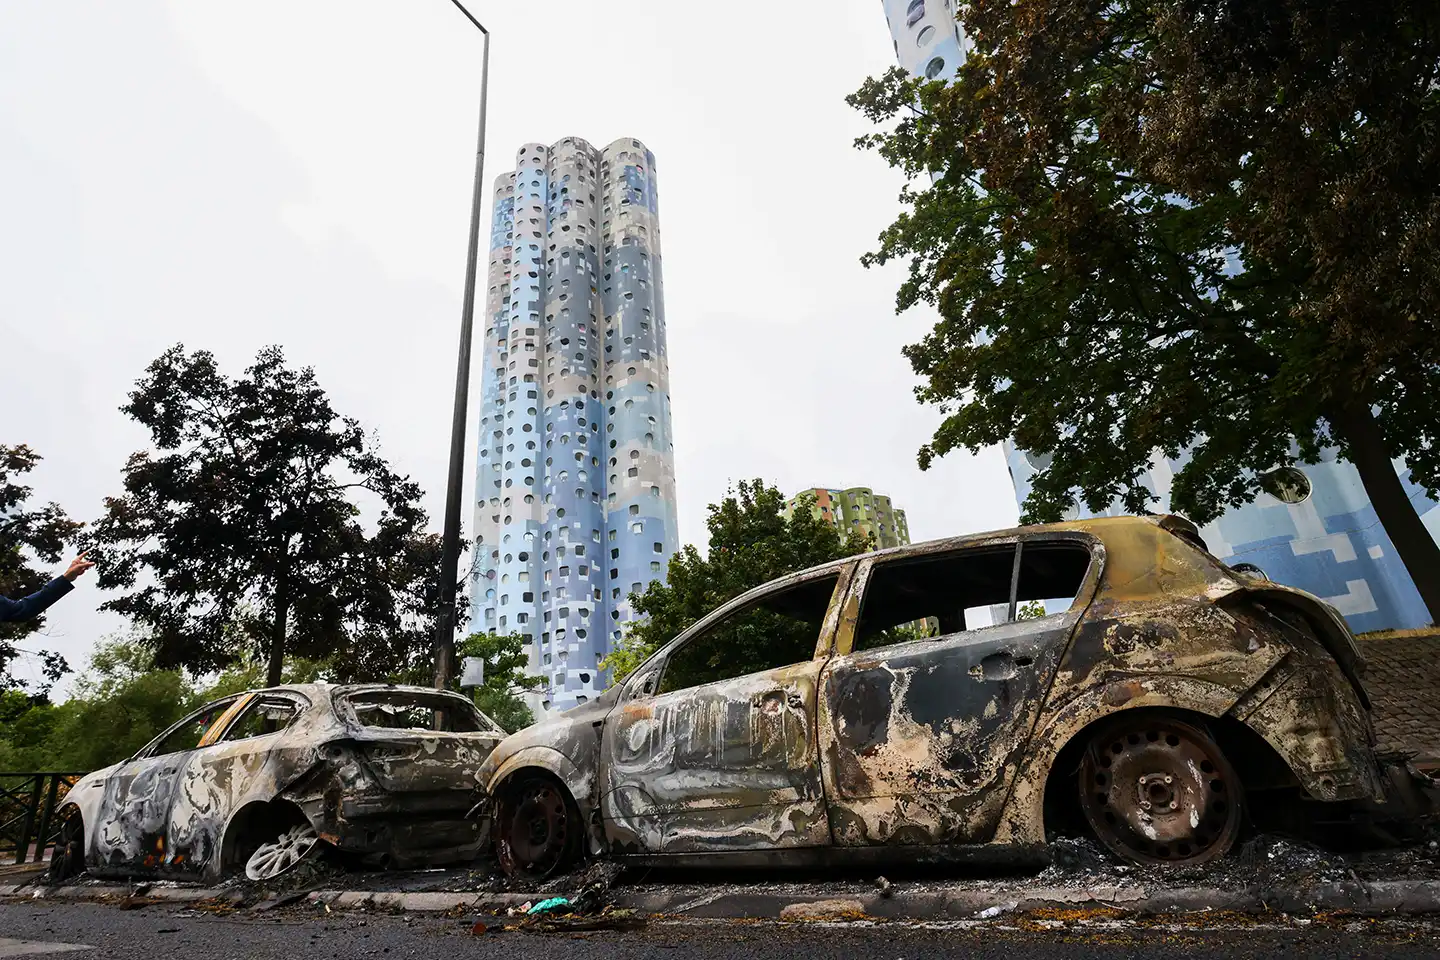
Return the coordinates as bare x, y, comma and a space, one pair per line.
575, 483
1314, 527
856, 510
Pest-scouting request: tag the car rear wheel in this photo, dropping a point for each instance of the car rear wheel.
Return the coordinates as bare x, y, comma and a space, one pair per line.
1157, 790
295, 844
538, 833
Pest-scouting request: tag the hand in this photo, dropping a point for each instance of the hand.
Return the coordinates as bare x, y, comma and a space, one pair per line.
78, 566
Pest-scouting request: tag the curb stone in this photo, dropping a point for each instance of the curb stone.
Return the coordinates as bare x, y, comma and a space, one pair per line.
1385, 897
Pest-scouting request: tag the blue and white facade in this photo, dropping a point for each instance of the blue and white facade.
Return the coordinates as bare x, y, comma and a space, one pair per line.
575, 481
1317, 531
927, 39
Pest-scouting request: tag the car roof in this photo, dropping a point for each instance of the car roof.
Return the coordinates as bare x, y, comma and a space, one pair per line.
313, 690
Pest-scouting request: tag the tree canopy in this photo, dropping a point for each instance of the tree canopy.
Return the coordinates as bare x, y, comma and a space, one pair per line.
27, 532
1180, 226
751, 543
264, 523
505, 678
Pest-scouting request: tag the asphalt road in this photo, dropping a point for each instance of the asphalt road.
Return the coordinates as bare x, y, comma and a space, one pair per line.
46, 929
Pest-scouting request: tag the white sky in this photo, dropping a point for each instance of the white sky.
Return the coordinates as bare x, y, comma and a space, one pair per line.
240, 173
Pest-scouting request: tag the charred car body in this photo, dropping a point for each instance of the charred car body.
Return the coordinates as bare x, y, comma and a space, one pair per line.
260, 779
957, 699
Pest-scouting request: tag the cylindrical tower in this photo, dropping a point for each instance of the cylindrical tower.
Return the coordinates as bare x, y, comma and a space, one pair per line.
572, 638
926, 37
640, 531
575, 495
489, 483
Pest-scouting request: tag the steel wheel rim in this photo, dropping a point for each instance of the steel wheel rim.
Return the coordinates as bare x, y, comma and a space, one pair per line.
282, 854
1160, 792
538, 831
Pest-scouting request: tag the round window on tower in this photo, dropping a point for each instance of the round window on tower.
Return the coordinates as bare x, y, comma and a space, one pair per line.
934, 68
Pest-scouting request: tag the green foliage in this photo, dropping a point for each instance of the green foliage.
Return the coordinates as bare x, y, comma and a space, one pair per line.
505, 678
248, 673
751, 543
27, 532
241, 532
120, 703
1179, 226
1030, 610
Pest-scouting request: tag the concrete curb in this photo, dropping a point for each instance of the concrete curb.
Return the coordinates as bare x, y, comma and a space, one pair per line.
1387, 898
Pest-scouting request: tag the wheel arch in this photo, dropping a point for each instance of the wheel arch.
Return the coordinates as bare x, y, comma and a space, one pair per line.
1255, 760
1023, 818
252, 819
546, 760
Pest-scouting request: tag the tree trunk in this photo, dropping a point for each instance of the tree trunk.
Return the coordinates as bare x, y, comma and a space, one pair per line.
1417, 549
277, 634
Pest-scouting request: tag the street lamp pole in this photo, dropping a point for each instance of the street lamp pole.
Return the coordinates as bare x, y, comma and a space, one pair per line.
450, 544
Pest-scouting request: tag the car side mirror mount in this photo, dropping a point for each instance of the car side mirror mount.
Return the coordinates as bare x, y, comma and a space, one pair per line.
644, 686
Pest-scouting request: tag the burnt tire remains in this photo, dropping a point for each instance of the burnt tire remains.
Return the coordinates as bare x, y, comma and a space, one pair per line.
1158, 790
68, 857
538, 833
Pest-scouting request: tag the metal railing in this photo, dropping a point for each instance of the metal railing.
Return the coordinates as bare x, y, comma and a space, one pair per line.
28, 802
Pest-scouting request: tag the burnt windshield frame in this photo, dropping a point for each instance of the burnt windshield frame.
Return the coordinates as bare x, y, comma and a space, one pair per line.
437, 702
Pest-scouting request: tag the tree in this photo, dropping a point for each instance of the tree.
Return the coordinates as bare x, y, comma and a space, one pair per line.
751, 543
505, 662
1180, 226
243, 530
27, 532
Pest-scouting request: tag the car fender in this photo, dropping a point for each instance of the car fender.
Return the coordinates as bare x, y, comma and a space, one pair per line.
86, 796
549, 759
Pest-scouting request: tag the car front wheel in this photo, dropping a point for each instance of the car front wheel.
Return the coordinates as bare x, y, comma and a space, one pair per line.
537, 828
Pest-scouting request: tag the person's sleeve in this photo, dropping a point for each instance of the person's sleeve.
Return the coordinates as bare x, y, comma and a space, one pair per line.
35, 604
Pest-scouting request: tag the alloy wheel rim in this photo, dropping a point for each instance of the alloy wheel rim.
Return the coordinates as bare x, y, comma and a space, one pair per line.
282, 854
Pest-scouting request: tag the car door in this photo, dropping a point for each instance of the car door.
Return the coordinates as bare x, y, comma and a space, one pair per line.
232, 765
713, 745
133, 827
937, 685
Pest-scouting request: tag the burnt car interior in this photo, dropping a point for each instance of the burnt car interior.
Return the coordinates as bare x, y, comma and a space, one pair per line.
265, 715
940, 596
402, 710
187, 734
776, 630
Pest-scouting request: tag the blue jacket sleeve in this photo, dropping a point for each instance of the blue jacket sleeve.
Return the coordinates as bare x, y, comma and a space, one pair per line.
32, 606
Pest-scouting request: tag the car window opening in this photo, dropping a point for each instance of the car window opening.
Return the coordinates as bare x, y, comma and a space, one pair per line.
188, 734
939, 596
265, 716
396, 710
776, 630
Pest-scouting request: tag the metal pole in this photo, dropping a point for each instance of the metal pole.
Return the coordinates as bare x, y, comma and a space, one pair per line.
450, 545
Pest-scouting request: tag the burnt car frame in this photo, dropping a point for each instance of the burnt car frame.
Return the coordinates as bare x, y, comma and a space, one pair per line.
260, 780
1157, 696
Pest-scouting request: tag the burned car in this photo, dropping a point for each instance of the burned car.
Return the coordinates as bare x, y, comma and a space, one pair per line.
960, 699
261, 780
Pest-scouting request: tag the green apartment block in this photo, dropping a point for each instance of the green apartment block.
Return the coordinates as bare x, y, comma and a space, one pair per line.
858, 509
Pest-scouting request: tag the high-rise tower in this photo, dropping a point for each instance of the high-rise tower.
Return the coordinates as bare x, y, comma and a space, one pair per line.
575, 488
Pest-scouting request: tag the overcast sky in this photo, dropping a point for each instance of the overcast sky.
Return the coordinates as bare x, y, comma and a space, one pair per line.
297, 172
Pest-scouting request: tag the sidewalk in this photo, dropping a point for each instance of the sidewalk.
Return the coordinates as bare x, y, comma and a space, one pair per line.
1403, 679
1268, 876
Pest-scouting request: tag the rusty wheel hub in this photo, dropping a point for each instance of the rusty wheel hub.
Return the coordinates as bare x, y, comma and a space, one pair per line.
535, 835
1160, 792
